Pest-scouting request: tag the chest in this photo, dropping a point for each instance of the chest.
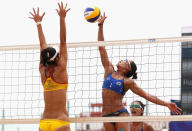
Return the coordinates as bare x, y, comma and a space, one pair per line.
113, 83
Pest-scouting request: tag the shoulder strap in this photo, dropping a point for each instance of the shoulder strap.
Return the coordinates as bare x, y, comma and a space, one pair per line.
45, 72
50, 73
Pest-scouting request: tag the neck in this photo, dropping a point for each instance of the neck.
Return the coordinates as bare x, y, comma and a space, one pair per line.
120, 73
51, 67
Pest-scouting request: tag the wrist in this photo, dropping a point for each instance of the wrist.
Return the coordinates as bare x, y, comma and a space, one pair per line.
166, 103
100, 24
62, 18
38, 23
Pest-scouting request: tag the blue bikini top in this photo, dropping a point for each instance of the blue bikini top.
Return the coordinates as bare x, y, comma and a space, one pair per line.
112, 84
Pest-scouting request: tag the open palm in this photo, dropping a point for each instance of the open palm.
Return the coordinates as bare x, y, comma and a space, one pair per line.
62, 10
173, 108
36, 17
102, 19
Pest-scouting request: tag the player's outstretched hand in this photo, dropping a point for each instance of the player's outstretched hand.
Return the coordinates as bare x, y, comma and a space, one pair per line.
35, 15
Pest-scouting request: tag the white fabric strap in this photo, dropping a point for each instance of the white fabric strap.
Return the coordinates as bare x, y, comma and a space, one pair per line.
129, 62
52, 58
38, 23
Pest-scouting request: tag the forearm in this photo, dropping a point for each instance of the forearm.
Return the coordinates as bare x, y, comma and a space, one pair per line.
104, 57
41, 36
63, 46
155, 100
100, 33
62, 31
102, 50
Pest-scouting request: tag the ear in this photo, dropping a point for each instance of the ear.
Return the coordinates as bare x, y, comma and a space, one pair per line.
142, 111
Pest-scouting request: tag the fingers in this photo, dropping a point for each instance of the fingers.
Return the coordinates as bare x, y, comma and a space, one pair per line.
175, 112
68, 10
178, 112
32, 14
62, 10
101, 17
35, 15
31, 18
104, 15
65, 6
34, 11
179, 109
59, 6
42, 15
57, 11
38, 11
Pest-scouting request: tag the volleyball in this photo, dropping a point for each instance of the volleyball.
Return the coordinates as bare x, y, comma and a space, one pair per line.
92, 14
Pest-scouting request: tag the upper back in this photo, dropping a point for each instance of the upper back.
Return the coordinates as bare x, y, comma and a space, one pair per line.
58, 74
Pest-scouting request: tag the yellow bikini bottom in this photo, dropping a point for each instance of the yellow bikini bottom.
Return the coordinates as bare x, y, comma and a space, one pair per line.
52, 124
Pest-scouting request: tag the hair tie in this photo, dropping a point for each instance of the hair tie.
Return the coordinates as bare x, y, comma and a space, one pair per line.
52, 58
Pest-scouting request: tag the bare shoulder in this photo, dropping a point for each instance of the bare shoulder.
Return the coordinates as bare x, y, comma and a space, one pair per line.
41, 68
108, 71
148, 127
61, 69
62, 64
128, 82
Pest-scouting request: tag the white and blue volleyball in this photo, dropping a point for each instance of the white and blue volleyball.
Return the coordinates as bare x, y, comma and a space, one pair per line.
92, 14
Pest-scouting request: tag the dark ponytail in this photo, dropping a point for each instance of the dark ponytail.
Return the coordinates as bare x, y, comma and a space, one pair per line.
133, 72
134, 76
47, 55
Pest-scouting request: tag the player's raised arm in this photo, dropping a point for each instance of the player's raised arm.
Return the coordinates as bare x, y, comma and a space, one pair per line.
38, 19
103, 53
62, 11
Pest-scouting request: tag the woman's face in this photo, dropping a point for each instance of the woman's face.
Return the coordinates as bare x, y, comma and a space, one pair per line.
124, 65
136, 109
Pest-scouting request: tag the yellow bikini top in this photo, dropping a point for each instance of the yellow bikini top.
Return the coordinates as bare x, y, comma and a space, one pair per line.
51, 85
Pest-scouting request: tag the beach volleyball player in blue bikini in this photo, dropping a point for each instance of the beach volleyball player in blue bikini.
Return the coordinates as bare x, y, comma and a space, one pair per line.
117, 83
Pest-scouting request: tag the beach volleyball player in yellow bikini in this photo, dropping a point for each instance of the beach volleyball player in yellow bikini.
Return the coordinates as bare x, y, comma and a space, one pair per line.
54, 76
